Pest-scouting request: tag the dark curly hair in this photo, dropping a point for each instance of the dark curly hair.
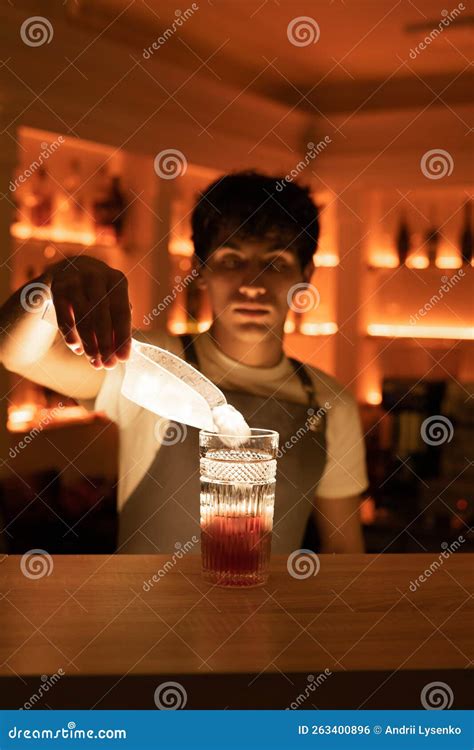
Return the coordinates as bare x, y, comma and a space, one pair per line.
253, 206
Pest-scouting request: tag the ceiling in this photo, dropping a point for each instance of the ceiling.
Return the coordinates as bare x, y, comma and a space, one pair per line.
362, 53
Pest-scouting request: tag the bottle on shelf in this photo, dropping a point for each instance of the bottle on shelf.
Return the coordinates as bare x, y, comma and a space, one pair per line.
466, 240
403, 240
108, 205
118, 205
40, 198
432, 240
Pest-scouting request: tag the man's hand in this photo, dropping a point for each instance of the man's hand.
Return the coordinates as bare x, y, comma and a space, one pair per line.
92, 309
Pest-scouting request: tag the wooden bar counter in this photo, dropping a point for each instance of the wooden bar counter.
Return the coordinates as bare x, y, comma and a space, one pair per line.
98, 632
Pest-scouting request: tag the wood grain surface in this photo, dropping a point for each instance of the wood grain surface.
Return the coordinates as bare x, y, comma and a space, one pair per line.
97, 621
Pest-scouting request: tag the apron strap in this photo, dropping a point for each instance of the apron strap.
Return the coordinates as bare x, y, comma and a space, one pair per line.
306, 381
190, 356
189, 350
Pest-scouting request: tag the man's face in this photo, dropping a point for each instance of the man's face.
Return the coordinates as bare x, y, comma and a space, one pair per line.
248, 285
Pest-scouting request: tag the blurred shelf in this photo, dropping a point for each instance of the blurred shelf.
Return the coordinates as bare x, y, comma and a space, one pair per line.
62, 236
385, 330
325, 260
176, 328
30, 416
426, 268
312, 329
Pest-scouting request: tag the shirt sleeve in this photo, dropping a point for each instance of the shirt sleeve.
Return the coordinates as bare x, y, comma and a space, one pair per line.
108, 397
345, 472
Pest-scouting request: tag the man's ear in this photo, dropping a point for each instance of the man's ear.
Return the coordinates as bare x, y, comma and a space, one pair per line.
308, 271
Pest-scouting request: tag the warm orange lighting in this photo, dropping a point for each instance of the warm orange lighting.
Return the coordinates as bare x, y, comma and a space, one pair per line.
20, 417
420, 332
383, 259
318, 329
181, 246
448, 261
61, 234
374, 398
177, 327
49, 251
462, 504
68, 414
325, 259
184, 264
204, 325
29, 416
311, 329
417, 261
367, 511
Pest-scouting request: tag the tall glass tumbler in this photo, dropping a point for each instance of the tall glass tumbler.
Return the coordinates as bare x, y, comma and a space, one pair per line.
237, 504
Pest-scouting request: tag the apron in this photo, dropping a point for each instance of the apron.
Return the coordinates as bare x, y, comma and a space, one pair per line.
163, 513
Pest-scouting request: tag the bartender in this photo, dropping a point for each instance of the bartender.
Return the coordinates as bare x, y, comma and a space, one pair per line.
254, 243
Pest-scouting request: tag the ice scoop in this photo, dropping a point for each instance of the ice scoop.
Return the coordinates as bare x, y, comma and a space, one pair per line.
167, 385
170, 387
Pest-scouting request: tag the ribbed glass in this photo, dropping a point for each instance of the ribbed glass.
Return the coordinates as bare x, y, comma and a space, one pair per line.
237, 503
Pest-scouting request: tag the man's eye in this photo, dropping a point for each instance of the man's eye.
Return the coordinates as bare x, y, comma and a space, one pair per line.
230, 261
278, 264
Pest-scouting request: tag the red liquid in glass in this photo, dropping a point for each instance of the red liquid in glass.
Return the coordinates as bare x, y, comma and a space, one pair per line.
236, 549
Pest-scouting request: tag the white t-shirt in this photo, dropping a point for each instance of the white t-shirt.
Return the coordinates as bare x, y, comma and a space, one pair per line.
345, 470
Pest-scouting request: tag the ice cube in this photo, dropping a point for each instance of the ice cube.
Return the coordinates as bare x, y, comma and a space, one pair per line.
230, 423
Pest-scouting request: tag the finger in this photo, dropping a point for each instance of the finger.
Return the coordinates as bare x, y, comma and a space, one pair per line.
66, 325
121, 315
96, 362
83, 318
104, 334
98, 299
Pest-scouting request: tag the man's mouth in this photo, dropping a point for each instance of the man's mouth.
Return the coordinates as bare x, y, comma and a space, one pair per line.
252, 311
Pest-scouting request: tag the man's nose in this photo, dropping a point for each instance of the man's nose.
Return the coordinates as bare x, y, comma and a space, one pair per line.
252, 289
